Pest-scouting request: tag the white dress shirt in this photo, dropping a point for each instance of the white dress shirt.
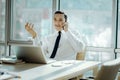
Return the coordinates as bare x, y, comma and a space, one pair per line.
68, 47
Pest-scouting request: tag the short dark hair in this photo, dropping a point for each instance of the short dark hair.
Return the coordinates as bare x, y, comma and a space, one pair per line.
60, 12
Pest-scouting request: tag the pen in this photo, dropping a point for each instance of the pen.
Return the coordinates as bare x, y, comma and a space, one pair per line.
1, 73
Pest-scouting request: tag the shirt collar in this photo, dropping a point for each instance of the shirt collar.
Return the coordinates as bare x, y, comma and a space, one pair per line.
62, 32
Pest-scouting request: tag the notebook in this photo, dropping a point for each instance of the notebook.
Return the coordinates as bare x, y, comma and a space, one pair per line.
32, 54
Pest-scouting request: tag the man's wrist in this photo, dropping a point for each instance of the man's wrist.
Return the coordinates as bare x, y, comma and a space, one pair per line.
34, 35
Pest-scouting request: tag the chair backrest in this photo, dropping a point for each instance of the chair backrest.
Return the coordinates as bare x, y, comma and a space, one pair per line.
81, 55
109, 70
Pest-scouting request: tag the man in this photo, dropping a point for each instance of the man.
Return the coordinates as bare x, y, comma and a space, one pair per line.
62, 44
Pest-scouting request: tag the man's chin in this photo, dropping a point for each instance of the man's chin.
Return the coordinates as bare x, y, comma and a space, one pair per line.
58, 29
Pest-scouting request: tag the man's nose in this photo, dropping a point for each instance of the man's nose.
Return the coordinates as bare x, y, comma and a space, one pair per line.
58, 23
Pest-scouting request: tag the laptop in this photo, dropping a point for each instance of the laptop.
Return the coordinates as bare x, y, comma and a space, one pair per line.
32, 54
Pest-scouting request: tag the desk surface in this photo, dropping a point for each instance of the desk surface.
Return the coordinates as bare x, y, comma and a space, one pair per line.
59, 70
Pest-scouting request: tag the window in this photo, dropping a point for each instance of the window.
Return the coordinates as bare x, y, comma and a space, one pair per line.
37, 12
94, 21
2, 49
100, 56
2, 20
2, 27
92, 18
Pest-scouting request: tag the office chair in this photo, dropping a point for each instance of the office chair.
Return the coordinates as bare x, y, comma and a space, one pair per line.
108, 71
118, 76
80, 55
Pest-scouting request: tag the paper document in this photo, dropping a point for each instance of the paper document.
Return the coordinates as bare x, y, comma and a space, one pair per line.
5, 75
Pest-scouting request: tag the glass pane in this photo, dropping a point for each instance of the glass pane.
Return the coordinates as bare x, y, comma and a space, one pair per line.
2, 20
13, 50
37, 12
118, 55
119, 26
99, 56
93, 19
2, 51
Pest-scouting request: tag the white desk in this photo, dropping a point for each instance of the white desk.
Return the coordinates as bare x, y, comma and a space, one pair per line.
48, 72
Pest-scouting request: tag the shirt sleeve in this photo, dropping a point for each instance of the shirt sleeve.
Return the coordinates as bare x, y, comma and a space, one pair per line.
43, 43
45, 46
76, 42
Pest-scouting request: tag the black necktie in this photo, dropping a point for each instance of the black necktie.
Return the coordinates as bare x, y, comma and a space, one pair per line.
56, 45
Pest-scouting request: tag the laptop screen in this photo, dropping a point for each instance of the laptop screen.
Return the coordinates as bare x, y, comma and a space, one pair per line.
31, 54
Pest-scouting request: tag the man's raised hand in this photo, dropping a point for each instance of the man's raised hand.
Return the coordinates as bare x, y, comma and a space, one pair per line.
29, 28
